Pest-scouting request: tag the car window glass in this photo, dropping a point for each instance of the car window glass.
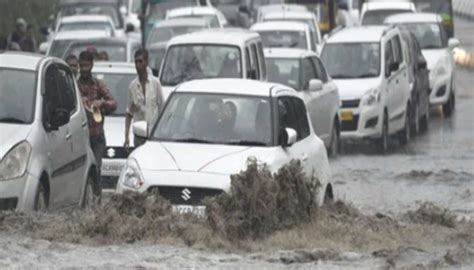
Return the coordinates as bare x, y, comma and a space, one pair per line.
389, 59
397, 49
248, 60
51, 99
66, 90
312, 41
254, 56
308, 72
286, 114
321, 71
261, 55
301, 116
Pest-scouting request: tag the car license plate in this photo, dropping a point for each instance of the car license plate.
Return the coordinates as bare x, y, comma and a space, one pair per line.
199, 211
112, 169
347, 116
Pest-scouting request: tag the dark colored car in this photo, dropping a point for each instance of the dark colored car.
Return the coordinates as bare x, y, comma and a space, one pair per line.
418, 74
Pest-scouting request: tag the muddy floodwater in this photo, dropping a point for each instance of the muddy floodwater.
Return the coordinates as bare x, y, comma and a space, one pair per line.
410, 209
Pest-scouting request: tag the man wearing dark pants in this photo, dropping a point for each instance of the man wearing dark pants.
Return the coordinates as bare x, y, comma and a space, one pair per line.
97, 101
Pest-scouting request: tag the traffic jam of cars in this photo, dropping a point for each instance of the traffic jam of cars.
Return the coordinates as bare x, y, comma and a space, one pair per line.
257, 79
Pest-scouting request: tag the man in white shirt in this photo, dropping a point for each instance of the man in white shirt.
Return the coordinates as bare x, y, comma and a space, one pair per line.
145, 97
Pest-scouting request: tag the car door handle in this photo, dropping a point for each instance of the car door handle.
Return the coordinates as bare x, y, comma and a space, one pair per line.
68, 136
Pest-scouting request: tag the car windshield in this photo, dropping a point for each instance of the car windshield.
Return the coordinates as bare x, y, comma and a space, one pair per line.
94, 9
59, 47
156, 57
163, 34
17, 96
378, 16
433, 6
86, 26
352, 60
158, 11
212, 19
189, 62
113, 52
285, 71
217, 119
284, 39
428, 34
118, 85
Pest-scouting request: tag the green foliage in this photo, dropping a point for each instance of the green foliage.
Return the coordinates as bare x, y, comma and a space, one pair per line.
35, 12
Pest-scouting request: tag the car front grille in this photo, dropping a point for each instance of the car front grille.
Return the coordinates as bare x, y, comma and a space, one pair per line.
185, 195
109, 182
351, 103
113, 152
8, 203
350, 125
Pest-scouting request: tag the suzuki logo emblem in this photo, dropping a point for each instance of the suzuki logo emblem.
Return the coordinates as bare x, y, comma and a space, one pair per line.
186, 194
111, 152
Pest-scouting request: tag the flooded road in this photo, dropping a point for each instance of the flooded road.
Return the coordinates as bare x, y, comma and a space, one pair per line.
380, 232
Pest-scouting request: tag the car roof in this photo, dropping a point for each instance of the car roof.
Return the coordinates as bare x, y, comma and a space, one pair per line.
288, 15
81, 34
232, 86
89, 2
280, 25
181, 22
225, 36
85, 18
192, 11
20, 60
114, 67
369, 33
290, 53
392, 4
413, 18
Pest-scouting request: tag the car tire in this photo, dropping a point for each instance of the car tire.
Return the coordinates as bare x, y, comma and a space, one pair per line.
89, 199
41, 199
328, 195
334, 145
404, 134
383, 140
449, 107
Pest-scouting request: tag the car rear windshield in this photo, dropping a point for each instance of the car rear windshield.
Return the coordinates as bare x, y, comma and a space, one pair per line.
284, 71
428, 34
17, 96
163, 34
190, 62
378, 16
216, 119
92, 9
284, 39
114, 52
352, 60
118, 85
86, 26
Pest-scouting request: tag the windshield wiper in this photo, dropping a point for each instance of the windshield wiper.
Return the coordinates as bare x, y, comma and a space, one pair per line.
247, 143
12, 120
191, 140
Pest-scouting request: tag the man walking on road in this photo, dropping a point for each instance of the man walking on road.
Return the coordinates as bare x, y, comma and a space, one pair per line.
145, 97
97, 101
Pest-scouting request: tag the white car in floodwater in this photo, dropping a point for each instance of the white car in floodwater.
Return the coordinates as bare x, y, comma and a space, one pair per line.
208, 131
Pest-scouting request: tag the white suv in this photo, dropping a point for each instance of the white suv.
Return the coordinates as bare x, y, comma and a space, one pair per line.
369, 67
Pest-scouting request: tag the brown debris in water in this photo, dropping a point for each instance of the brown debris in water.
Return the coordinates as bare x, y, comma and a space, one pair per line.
428, 213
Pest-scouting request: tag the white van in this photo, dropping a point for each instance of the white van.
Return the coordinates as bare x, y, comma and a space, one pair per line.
215, 53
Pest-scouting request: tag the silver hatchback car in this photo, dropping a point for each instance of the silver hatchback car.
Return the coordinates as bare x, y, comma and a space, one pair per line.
45, 156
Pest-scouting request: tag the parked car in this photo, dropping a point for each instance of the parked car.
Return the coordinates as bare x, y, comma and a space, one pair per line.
286, 35
117, 77
117, 49
418, 77
45, 158
63, 40
165, 30
223, 122
87, 22
369, 68
214, 16
438, 51
216, 53
374, 12
307, 17
303, 70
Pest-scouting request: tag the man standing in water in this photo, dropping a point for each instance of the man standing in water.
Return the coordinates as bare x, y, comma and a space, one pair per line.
97, 101
145, 97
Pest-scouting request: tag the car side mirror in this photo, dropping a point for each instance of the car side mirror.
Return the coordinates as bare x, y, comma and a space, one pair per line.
453, 43
140, 129
288, 137
315, 85
60, 118
422, 63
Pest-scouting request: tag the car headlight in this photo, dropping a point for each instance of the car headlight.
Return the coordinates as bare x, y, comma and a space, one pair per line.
131, 175
371, 97
15, 162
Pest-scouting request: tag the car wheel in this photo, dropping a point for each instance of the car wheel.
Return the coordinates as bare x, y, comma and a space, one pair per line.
334, 146
328, 195
448, 107
404, 135
383, 140
41, 199
89, 199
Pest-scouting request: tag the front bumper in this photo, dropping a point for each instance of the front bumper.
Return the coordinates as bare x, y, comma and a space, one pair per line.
366, 123
440, 89
18, 193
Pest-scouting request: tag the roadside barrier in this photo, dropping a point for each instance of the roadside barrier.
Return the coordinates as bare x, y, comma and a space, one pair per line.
464, 8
